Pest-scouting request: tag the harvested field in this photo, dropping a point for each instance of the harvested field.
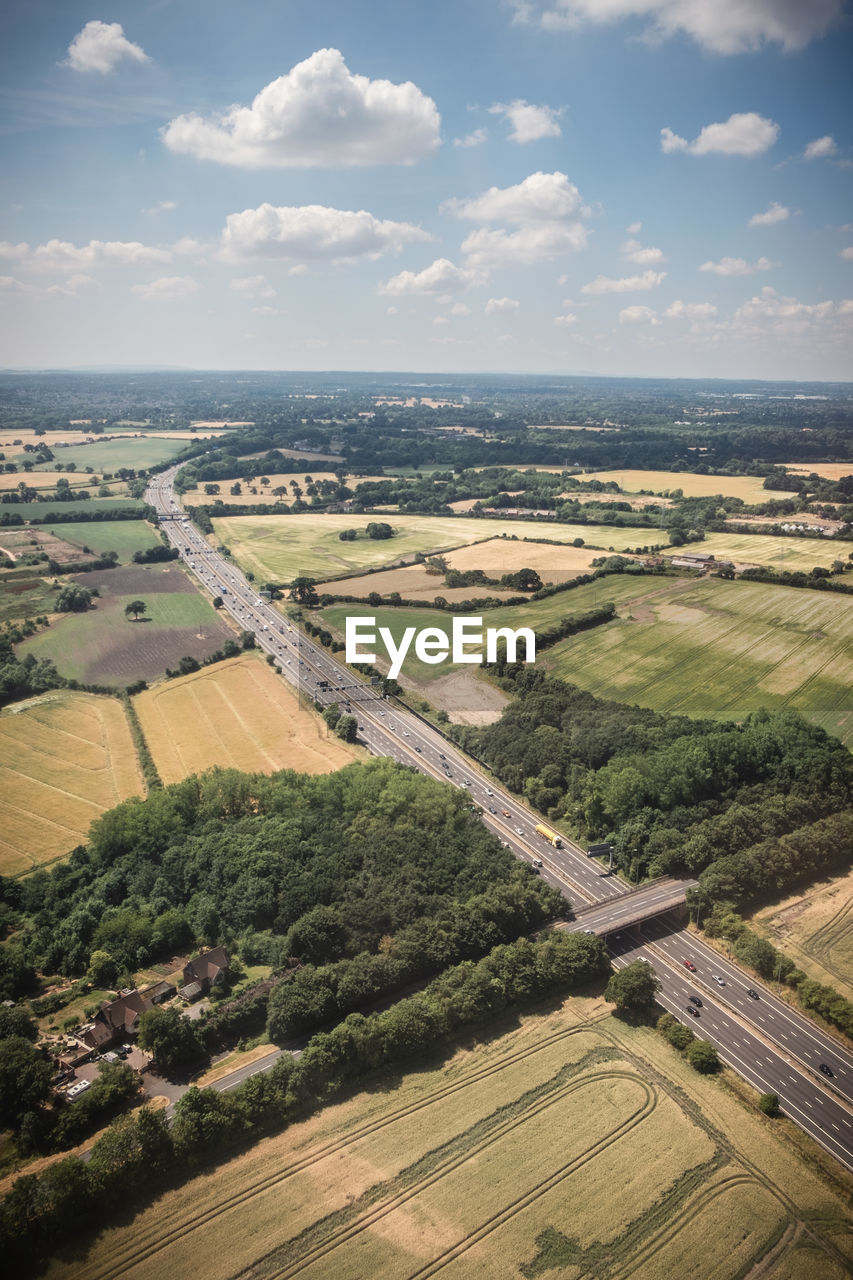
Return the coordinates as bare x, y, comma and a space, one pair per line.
454, 1167
44, 480
239, 715
64, 759
763, 549
264, 493
816, 931
636, 501
19, 540
749, 488
279, 548
829, 470
500, 555
715, 648
102, 646
412, 582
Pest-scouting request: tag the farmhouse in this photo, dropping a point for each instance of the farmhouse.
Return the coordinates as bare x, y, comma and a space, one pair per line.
203, 972
118, 1020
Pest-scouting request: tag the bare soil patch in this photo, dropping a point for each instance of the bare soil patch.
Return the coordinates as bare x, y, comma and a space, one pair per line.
466, 697
153, 580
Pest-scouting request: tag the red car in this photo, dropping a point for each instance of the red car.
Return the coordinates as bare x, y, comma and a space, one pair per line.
688, 964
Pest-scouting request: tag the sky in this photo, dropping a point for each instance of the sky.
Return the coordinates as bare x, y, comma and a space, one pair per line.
616, 187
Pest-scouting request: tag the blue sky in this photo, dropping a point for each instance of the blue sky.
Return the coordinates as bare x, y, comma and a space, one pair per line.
655, 187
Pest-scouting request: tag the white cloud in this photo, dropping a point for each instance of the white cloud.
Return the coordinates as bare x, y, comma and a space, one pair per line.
475, 139
638, 315
320, 113
440, 320
723, 26
299, 270
74, 286
488, 249
774, 213
847, 253
166, 289
313, 231
267, 311
253, 286
736, 266
743, 134
392, 311
100, 46
565, 321
644, 257
528, 123
436, 278
496, 306
819, 148
679, 310
8, 284
459, 309
769, 312
162, 206
628, 284
541, 197
61, 255
634, 229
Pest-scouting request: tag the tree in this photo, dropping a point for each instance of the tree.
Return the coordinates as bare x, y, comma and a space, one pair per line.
633, 989
702, 1055
73, 599
347, 535
769, 1104
211, 490
379, 529
25, 1076
103, 969
347, 728
136, 607
170, 1037
303, 590
332, 714
17, 1022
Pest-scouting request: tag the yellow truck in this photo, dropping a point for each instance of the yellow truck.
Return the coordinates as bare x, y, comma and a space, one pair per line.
550, 836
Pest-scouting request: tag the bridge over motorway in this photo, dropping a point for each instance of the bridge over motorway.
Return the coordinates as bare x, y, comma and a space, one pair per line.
641, 904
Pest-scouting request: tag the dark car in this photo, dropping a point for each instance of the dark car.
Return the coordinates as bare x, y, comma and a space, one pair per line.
694, 1013
695, 1000
827, 1071
753, 995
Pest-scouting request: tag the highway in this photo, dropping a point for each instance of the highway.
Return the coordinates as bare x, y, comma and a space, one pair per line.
770, 1045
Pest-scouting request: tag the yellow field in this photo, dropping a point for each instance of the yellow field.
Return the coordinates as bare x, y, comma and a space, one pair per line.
829, 470
46, 479
500, 555
412, 582
558, 1147
816, 931
760, 548
264, 493
64, 758
279, 548
238, 714
749, 488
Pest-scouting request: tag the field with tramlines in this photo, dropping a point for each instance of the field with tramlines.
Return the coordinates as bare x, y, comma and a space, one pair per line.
64, 758
816, 930
586, 1147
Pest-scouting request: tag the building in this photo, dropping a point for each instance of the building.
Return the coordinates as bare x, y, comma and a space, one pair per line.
203, 972
118, 1020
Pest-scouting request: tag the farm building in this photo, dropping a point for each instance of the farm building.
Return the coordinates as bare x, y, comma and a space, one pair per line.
688, 561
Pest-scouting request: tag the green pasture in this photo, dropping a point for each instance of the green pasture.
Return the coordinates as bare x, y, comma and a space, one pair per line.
108, 455
48, 510
123, 536
760, 548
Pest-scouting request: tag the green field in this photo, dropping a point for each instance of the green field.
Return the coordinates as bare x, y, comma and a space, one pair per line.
760, 548
24, 595
102, 646
109, 455
48, 510
279, 548
123, 536
719, 649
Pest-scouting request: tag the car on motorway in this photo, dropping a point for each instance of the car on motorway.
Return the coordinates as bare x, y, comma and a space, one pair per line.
537, 862
441, 755
694, 1013
719, 981
488, 792
518, 831
505, 812
753, 995
492, 810
688, 964
695, 1000
827, 1070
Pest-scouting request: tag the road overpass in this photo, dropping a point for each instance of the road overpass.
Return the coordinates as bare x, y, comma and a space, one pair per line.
634, 907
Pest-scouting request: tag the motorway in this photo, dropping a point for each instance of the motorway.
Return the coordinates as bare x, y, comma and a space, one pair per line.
773, 1047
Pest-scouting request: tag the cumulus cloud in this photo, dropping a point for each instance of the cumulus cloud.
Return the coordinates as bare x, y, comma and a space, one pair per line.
100, 46
744, 134
627, 284
474, 139
253, 287
820, 148
644, 257
61, 255
162, 206
527, 122
638, 315
490, 249
460, 309
496, 306
439, 277
541, 197
565, 321
313, 231
320, 113
847, 253
725, 26
8, 284
770, 313
166, 289
736, 266
74, 285
774, 213
634, 229
679, 310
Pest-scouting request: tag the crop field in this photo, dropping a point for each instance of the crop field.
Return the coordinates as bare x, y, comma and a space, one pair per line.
24, 595
238, 714
102, 646
552, 1147
18, 541
816, 930
500, 555
45, 480
716, 648
412, 582
829, 470
137, 452
123, 536
45, 508
279, 548
762, 549
64, 759
264, 493
749, 488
